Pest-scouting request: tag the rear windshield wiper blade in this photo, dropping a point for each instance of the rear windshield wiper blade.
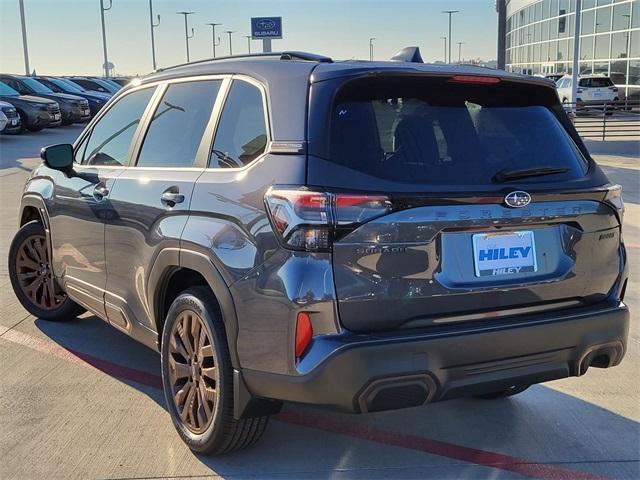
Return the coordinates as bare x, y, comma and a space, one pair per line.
506, 175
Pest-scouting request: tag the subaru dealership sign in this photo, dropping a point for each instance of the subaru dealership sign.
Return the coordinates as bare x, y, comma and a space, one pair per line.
266, 28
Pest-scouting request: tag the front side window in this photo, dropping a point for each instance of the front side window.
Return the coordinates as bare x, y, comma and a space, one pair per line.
110, 138
178, 124
241, 136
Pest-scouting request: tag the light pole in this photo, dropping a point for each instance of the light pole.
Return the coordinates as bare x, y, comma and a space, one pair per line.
371, 48
213, 37
445, 48
186, 30
229, 32
153, 41
104, 36
248, 37
576, 52
450, 13
24, 38
460, 51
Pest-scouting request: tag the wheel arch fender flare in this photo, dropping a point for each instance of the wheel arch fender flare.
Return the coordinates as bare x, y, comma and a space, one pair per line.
166, 263
33, 200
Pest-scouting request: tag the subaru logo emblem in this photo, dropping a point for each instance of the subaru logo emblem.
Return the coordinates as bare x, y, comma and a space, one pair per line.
266, 24
517, 199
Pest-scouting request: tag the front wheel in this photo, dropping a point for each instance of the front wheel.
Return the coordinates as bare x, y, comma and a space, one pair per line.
32, 277
198, 377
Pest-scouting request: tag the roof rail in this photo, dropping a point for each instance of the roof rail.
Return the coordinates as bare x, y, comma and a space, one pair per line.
311, 57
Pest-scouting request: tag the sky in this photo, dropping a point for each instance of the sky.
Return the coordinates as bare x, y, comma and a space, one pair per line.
64, 36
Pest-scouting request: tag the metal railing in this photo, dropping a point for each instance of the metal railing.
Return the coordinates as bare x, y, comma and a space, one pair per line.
607, 120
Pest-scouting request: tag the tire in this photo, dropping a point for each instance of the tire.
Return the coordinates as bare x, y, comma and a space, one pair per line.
207, 425
513, 390
29, 258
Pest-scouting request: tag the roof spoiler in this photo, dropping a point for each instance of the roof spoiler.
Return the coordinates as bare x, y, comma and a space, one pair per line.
408, 54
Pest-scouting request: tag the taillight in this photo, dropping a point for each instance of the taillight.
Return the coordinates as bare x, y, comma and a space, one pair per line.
310, 220
613, 89
614, 197
579, 90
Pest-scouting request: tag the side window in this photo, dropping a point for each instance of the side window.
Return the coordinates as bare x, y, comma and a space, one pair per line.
110, 138
15, 85
178, 124
242, 132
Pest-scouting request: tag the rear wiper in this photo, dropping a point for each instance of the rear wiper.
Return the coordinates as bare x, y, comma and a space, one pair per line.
505, 175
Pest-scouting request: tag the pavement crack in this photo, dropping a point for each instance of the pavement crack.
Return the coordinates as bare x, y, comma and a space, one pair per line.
8, 329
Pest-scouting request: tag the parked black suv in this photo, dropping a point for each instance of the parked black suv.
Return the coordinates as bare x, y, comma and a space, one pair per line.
74, 109
35, 113
96, 100
95, 84
366, 236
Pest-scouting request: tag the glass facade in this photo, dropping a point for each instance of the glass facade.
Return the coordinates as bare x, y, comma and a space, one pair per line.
539, 39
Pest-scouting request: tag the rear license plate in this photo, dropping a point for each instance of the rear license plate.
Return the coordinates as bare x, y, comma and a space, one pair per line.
504, 253
597, 94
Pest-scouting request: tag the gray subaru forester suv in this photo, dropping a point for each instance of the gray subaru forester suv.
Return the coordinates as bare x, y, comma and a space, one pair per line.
361, 235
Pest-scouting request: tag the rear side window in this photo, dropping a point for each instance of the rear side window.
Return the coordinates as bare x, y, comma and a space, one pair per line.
595, 82
178, 124
446, 134
111, 136
241, 136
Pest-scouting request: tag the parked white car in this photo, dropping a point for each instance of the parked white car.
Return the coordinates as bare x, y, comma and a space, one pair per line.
593, 90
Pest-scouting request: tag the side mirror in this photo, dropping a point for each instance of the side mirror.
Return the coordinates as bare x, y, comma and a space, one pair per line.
58, 157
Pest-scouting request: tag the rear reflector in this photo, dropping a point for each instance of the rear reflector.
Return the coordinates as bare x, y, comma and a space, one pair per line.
474, 79
304, 333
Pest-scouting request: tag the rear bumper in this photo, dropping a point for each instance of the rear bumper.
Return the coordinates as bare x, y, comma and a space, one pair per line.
366, 373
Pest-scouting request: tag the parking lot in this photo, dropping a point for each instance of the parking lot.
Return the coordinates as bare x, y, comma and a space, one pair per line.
81, 400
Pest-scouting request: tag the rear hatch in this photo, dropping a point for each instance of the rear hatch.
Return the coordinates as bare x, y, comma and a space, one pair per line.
594, 89
482, 203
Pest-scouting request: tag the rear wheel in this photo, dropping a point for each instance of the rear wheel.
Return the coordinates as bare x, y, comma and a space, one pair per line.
32, 277
198, 378
508, 392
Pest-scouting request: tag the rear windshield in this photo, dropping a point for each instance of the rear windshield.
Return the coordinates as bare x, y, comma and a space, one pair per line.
595, 82
448, 134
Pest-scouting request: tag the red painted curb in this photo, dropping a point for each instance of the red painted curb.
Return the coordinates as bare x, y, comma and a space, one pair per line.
434, 447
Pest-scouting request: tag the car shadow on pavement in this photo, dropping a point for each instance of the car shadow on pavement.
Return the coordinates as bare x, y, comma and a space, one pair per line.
539, 426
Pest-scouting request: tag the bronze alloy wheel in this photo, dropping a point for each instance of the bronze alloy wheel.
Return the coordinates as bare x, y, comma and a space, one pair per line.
192, 371
35, 277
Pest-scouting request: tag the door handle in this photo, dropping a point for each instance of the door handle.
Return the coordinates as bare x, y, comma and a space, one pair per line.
100, 192
171, 198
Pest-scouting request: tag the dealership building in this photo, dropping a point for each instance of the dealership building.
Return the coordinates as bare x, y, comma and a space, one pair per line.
536, 37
